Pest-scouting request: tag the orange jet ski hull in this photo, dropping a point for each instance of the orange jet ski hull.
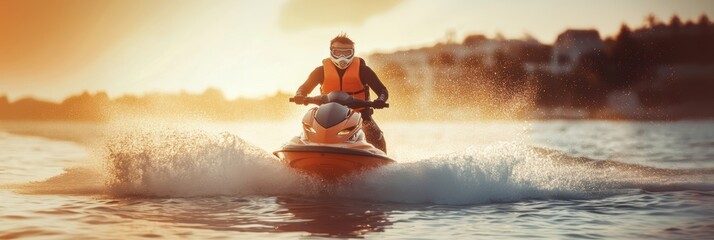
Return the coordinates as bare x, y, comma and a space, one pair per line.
330, 163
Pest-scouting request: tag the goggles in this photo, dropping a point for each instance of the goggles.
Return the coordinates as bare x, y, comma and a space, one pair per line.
342, 52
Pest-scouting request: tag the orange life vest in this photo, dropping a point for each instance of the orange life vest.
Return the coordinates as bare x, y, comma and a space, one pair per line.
349, 83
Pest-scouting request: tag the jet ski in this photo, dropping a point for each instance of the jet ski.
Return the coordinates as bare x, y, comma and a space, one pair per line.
332, 144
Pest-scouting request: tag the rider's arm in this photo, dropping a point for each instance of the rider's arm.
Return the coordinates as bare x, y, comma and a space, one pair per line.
370, 78
315, 78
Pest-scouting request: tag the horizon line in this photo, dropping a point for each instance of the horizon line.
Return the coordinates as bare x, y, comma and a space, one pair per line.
142, 94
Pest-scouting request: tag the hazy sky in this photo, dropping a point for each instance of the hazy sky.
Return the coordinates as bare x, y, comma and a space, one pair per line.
51, 49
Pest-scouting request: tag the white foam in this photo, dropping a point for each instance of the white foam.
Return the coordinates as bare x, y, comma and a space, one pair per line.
186, 164
498, 173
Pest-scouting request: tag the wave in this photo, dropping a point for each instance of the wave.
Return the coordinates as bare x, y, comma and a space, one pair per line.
73, 181
199, 164
187, 164
508, 172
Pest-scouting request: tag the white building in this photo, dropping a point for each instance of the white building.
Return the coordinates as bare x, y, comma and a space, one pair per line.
571, 46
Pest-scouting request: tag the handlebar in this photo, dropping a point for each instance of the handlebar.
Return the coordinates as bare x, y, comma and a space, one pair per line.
317, 100
341, 98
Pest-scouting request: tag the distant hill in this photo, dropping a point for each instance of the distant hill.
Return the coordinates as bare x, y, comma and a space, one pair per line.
210, 105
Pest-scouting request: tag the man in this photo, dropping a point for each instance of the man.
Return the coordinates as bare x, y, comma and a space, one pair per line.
342, 71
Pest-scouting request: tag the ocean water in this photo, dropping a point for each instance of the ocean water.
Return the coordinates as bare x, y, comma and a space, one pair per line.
453, 180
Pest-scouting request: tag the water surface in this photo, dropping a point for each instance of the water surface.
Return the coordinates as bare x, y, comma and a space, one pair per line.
550, 179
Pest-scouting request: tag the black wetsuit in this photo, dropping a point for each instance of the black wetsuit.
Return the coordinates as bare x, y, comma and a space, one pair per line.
367, 76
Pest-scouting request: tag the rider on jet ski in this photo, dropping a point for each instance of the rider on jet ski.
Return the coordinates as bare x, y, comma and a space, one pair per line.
342, 71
